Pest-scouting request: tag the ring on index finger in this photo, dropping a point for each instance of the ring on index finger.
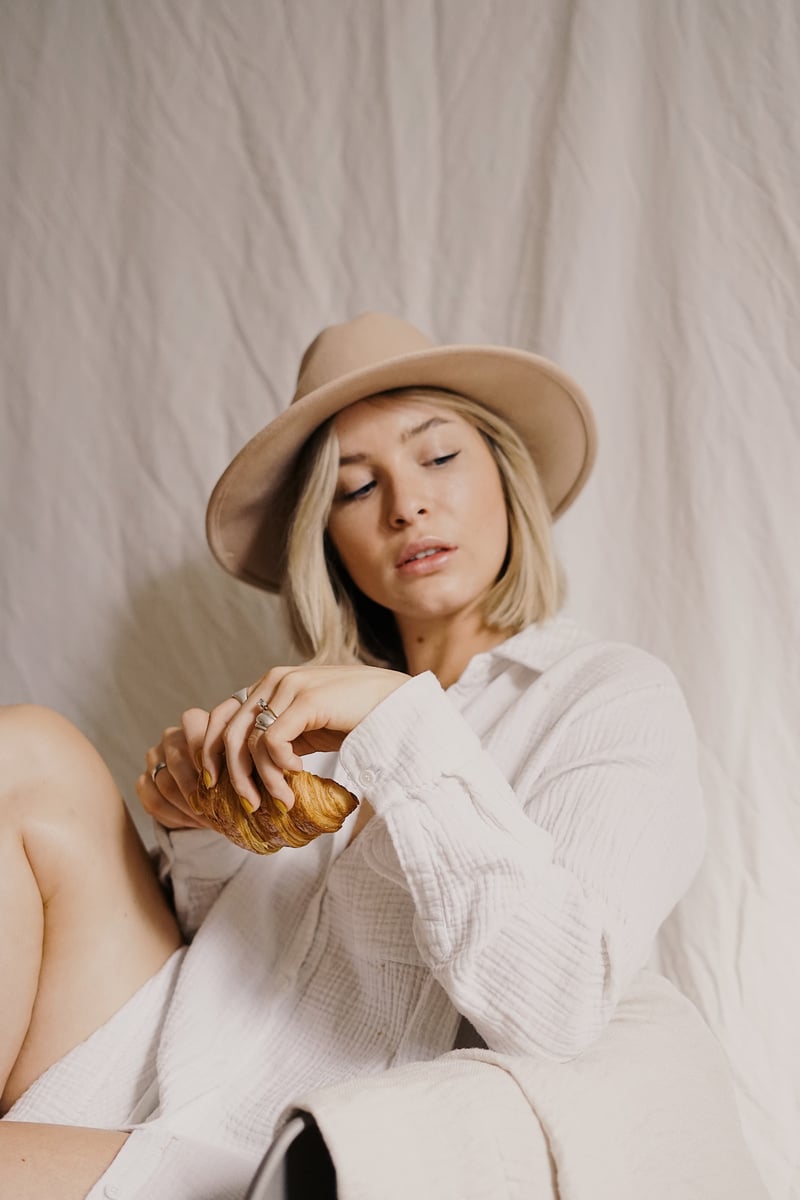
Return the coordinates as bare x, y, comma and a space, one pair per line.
241, 695
158, 767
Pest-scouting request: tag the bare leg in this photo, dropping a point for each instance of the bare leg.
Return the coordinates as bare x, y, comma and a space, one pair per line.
84, 922
40, 1162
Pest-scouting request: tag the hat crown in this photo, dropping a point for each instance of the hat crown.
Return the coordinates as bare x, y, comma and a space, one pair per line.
363, 342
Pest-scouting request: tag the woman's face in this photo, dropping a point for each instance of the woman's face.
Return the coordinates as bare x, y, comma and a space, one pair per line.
419, 517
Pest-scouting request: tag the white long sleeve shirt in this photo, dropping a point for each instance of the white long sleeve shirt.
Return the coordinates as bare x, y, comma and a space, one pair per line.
534, 825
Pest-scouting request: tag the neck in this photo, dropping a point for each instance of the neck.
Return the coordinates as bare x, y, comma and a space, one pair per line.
446, 648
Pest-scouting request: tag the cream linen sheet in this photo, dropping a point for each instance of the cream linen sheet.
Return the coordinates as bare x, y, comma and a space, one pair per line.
648, 1111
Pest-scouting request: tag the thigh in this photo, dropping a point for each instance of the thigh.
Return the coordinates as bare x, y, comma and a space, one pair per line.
38, 1162
106, 927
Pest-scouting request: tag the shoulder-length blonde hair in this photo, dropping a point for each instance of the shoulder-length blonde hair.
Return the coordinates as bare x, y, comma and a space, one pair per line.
332, 621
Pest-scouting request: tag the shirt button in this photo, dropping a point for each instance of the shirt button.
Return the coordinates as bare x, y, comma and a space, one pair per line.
367, 777
111, 1190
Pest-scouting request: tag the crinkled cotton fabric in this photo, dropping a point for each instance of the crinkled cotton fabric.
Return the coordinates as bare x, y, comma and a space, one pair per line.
534, 824
111, 1077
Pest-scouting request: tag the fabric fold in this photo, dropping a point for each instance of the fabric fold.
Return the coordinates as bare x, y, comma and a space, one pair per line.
648, 1111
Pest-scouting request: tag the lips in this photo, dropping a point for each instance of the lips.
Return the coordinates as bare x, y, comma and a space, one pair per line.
418, 552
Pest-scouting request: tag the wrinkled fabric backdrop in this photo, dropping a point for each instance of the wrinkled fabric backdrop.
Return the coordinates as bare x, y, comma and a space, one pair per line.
190, 190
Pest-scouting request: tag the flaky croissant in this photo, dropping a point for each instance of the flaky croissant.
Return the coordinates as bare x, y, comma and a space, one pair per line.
320, 806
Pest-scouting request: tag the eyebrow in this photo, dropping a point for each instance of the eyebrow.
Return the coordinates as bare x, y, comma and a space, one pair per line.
405, 436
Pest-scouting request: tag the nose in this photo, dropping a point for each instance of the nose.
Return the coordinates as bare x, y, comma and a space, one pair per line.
405, 506
399, 520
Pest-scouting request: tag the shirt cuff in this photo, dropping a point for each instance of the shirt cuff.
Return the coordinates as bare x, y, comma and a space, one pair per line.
412, 738
196, 854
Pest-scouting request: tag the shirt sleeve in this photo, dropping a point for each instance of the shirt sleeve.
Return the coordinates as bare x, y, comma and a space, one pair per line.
535, 909
195, 864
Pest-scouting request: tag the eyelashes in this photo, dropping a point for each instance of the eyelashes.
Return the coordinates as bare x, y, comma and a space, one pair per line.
358, 494
366, 489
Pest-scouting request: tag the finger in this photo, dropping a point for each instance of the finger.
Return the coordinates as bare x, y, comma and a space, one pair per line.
155, 754
243, 761
233, 740
212, 750
194, 723
166, 786
283, 737
182, 750
301, 701
240, 764
156, 760
274, 750
161, 809
303, 727
270, 774
179, 779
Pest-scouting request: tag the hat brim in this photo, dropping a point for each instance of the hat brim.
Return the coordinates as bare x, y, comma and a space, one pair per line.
249, 510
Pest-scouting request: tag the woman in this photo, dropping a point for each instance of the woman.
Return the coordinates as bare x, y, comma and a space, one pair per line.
529, 814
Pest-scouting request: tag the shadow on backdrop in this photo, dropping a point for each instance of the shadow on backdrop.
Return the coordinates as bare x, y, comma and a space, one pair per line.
189, 637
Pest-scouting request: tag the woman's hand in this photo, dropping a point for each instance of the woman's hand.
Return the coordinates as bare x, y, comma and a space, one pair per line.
167, 796
315, 708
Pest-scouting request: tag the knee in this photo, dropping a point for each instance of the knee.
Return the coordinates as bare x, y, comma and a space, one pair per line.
33, 729
38, 744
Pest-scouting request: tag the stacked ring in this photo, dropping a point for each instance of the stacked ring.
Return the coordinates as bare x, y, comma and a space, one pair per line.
266, 717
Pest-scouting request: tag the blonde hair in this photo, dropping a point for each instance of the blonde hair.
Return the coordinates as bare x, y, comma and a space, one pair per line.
332, 621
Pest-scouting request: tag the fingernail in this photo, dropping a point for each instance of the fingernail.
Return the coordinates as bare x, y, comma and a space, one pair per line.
207, 780
248, 805
281, 807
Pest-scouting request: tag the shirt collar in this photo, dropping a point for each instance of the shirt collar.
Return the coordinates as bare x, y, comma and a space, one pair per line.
536, 647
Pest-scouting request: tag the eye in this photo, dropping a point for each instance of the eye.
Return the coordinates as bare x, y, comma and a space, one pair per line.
444, 458
359, 493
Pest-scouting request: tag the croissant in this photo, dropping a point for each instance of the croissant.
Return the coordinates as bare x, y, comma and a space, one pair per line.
320, 806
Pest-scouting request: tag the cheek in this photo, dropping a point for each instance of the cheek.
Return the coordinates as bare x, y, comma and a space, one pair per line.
486, 504
360, 567
497, 539
351, 543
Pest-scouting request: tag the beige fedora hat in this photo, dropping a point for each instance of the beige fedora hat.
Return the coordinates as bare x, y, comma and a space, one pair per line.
250, 508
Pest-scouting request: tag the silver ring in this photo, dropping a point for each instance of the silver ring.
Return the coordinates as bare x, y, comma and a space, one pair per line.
265, 719
241, 695
158, 767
